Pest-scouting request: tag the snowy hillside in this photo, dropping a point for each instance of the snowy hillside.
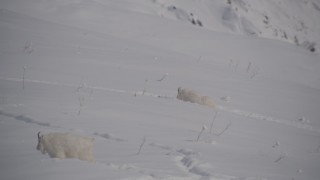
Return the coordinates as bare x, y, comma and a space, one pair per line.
293, 21
110, 69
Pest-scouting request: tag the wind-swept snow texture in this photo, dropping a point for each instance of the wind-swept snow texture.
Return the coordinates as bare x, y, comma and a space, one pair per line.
110, 70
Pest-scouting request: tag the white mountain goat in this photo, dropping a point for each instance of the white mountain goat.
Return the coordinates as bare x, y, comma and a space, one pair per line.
66, 145
194, 97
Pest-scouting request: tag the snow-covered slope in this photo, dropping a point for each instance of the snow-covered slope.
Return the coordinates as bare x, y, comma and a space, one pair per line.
111, 70
293, 21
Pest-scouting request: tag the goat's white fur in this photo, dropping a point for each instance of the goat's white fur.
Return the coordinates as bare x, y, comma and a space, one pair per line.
66, 145
194, 97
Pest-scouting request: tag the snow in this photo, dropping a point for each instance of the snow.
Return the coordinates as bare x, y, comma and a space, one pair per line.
111, 70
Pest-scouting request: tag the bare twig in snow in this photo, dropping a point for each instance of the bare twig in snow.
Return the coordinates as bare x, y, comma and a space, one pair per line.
282, 156
202, 130
214, 118
23, 76
254, 73
142, 144
28, 48
81, 101
249, 67
224, 130
163, 77
236, 68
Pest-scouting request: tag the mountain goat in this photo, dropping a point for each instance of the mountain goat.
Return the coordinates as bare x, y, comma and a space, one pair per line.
66, 145
194, 97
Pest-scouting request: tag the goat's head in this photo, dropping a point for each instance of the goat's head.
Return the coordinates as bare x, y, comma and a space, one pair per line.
40, 143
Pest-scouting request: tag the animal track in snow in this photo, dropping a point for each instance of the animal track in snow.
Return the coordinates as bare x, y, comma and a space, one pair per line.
26, 119
258, 116
109, 137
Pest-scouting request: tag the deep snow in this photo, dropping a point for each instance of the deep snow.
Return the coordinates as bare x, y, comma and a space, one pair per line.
111, 70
